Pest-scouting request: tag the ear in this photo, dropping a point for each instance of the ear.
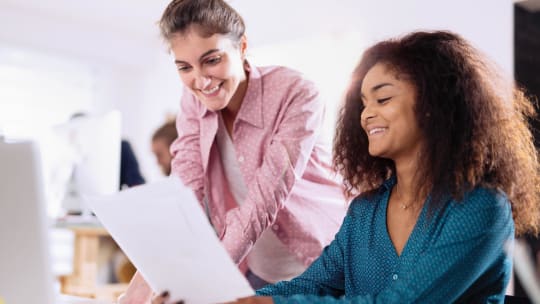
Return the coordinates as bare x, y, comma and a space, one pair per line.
243, 46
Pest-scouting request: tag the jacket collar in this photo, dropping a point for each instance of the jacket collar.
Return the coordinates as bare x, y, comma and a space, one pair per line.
389, 183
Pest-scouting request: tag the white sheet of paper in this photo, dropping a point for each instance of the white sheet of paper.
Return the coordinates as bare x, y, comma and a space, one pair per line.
165, 233
524, 267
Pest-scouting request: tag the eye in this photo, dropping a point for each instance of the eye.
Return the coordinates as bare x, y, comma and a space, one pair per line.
383, 100
183, 68
213, 60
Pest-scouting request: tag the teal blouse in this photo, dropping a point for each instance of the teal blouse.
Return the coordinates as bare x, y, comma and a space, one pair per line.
455, 254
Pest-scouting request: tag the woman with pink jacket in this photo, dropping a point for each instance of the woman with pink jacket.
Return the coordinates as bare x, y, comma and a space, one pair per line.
250, 146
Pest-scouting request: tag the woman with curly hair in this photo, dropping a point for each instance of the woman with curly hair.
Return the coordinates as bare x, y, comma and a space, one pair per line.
440, 150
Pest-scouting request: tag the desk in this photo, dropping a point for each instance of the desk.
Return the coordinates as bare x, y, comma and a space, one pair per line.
83, 281
67, 299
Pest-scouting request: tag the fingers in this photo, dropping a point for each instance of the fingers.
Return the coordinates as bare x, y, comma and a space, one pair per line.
164, 296
121, 298
163, 299
138, 291
253, 300
256, 300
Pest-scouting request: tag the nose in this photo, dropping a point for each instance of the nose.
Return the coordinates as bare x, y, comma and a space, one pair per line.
202, 80
367, 113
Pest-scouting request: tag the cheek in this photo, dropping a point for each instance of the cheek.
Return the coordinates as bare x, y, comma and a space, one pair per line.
412, 133
222, 71
412, 122
186, 80
233, 70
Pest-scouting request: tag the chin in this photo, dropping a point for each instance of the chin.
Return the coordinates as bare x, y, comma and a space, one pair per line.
377, 153
215, 106
373, 152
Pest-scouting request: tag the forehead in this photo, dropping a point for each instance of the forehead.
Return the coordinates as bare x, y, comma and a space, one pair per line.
379, 73
192, 44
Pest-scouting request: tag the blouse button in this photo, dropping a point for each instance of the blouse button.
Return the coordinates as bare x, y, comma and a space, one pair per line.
241, 159
395, 277
275, 227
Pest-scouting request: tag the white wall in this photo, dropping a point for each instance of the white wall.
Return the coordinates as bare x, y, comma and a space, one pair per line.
487, 23
133, 72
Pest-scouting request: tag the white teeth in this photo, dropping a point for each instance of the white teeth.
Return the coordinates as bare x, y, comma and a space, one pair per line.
376, 130
210, 91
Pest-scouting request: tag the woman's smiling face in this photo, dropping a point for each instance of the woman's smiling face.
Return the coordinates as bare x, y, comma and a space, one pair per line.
388, 117
212, 68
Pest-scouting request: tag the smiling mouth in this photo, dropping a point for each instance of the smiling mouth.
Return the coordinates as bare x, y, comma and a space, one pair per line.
376, 131
212, 90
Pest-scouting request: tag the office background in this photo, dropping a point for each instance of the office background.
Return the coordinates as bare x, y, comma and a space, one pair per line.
58, 57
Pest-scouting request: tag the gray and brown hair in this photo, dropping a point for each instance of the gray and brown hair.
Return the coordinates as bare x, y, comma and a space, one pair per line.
209, 16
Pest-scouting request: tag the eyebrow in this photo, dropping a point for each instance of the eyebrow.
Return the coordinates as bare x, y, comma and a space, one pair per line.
377, 87
201, 57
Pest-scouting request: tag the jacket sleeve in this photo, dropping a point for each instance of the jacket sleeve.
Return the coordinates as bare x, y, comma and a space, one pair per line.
283, 164
185, 150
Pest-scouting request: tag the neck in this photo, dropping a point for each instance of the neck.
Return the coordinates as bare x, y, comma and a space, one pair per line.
406, 185
407, 165
236, 101
405, 178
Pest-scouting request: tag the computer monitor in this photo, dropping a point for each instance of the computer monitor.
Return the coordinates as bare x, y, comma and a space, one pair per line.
95, 142
25, 261
25, 274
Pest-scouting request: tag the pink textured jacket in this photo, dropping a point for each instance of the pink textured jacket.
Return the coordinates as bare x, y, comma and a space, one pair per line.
285, 166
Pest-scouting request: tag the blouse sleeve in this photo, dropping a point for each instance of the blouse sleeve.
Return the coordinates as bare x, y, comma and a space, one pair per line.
284, 162
185, 150
471, 239
323, 277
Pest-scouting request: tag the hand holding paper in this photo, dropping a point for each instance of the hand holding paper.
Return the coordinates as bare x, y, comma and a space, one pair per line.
165, 233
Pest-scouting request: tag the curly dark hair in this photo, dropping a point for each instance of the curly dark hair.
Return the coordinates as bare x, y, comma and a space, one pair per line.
475, 125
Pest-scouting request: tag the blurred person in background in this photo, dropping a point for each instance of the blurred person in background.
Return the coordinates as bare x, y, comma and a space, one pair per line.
162, 140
